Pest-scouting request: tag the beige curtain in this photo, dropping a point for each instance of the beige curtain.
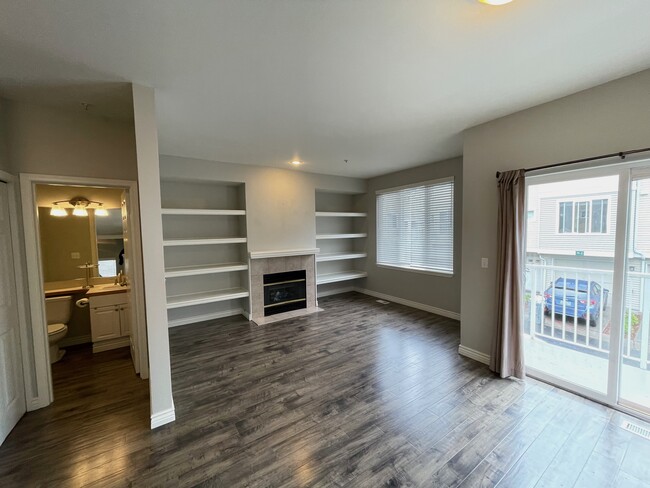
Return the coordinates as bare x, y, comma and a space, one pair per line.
507, 357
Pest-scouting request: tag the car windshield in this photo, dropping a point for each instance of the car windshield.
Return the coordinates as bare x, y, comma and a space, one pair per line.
571, 285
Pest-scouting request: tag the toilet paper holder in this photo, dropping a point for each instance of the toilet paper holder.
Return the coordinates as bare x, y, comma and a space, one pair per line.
82, 302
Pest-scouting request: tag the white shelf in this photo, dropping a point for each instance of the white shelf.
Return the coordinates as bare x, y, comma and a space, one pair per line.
339, 256
341, 214
204, 241
200, 298
340, 236
204, 269
340, 276
200, 211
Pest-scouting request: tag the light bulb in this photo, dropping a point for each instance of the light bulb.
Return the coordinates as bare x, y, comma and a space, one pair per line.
296, 162
57, 211
101, 211
80, 211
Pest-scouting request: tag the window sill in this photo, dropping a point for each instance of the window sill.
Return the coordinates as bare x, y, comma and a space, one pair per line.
416, 270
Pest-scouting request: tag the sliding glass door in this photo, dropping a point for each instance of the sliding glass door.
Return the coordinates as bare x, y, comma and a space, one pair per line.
634, 390
587, 287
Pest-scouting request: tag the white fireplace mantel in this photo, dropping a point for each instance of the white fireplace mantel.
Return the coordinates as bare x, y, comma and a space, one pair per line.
282, 253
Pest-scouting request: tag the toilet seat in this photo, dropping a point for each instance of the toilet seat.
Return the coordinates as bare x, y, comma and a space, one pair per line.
56, 328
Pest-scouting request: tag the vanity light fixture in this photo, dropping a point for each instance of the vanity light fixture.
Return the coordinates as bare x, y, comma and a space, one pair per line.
80, 206
58, 211
495, 2
100, 211
80, 211
296, 162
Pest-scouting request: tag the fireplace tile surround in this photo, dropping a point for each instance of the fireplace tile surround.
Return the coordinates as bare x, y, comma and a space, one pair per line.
262, 263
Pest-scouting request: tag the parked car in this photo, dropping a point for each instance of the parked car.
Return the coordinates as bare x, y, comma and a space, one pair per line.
589, 297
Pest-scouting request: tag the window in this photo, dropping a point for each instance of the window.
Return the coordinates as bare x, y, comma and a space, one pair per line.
107, 267
415, 227
583, 217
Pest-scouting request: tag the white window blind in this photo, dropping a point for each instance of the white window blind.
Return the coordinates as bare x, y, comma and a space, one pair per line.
415, 226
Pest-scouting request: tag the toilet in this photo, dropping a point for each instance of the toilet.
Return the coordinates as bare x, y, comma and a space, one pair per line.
57, 310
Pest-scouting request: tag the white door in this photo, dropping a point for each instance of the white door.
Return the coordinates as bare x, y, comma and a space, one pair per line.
129, 272
12, 394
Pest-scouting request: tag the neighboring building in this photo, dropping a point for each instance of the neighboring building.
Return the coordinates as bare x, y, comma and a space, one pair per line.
573, 225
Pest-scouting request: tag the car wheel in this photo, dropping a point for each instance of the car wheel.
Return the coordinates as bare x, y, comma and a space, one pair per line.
593, 321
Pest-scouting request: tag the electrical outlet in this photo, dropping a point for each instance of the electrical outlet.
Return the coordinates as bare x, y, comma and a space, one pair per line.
75, 255
484, 262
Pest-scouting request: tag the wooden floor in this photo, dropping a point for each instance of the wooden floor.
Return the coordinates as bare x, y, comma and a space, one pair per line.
360, 395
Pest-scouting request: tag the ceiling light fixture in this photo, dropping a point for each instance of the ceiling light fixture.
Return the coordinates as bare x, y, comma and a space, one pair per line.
80, 206
295, 162
495, 2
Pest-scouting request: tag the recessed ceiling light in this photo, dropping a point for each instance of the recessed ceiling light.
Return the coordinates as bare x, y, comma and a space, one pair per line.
495, 2
295, 162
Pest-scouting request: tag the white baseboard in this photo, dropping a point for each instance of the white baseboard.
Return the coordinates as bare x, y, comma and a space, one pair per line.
75, 341
207, 316
412, 304
474, 354
36, 403
111, 344
335, 291
161, 418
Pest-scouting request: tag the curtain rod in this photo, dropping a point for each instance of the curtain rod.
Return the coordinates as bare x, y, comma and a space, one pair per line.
621, 155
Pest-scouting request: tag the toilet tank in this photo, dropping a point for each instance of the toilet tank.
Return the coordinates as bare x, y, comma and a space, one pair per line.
58, 309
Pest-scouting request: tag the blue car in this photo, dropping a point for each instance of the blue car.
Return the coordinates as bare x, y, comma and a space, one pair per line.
589, 297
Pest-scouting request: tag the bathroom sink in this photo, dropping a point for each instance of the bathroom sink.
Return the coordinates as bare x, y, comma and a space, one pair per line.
106, 288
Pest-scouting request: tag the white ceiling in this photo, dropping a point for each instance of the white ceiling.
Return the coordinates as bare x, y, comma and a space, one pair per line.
386, 84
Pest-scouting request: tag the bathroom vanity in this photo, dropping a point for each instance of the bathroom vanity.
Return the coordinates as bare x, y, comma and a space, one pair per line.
110, 317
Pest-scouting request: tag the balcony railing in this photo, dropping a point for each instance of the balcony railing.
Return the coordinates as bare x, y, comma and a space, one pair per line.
572, 308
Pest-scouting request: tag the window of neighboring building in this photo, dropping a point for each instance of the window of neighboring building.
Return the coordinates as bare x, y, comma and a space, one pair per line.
583, 217
415, 227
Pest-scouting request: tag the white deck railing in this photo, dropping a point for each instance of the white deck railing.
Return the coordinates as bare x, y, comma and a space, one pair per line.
577, 332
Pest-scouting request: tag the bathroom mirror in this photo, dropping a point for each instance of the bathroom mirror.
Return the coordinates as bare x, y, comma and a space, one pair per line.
69, 241
110, 243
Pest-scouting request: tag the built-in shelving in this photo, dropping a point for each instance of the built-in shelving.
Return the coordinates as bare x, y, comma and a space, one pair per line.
206, 256
339, 256
195, 270
201, 211
340, 276
322, 237
204, 297
340, 232
203, 241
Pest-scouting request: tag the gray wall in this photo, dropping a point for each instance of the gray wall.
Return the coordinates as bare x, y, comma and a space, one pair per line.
280, 204
54, 141
435, 291
605, 119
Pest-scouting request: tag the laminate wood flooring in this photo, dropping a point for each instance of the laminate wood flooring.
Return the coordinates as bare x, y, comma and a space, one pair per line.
359, 395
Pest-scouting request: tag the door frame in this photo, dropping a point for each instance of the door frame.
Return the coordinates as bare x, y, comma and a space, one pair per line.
40, 367
21, 281
623, 169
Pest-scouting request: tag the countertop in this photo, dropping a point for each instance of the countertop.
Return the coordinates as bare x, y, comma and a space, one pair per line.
97, 290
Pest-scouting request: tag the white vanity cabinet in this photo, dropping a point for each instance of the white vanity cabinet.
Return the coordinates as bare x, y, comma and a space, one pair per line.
110, 321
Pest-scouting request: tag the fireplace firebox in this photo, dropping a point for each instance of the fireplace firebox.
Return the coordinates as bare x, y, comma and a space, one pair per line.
284, 292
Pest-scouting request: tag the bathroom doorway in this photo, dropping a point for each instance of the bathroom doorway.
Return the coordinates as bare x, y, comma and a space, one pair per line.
85, 276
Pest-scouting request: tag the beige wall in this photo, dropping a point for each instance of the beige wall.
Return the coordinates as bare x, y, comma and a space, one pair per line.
4, 158
435, 291
609, 118
280, 203
53, 141
59, 238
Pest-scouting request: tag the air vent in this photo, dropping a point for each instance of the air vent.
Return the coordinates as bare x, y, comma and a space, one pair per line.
636, 429
383, 302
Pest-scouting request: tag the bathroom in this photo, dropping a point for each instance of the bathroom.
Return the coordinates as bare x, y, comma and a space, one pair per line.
83, 264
